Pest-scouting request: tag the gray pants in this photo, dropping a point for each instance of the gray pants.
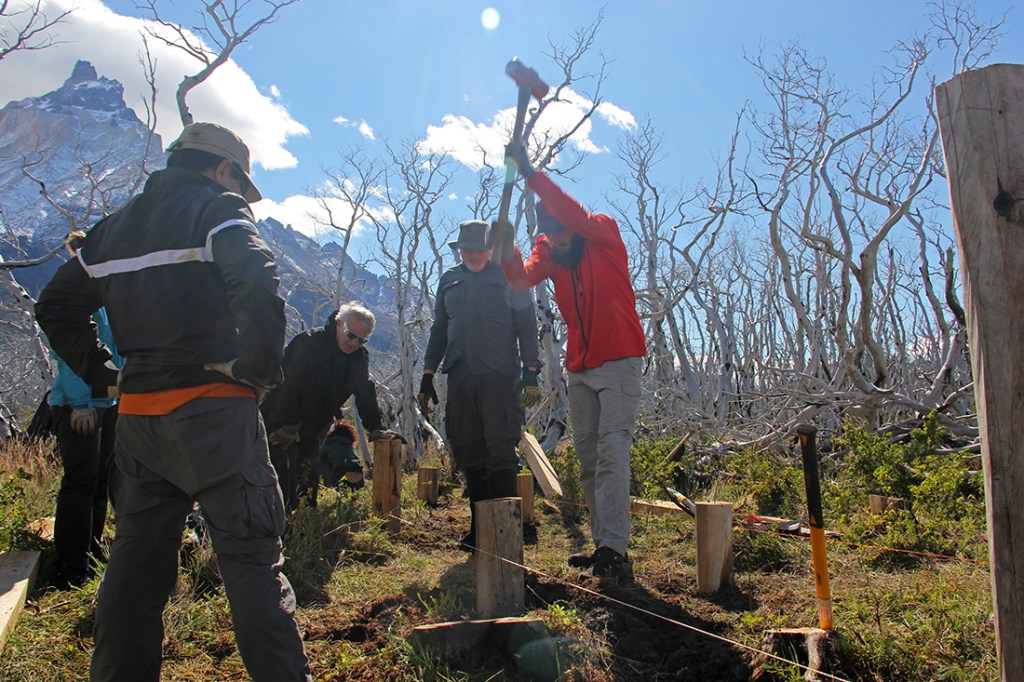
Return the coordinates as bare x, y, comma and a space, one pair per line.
602, 407
214, 451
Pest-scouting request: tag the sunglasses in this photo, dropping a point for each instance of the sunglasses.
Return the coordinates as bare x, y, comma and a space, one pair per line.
355, 337
240, 175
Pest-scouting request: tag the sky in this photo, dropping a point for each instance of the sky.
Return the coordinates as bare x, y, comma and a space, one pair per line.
336, 74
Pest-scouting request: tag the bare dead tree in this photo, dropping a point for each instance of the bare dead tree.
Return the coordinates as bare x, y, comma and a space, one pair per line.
28, 28
220, 27
412, 185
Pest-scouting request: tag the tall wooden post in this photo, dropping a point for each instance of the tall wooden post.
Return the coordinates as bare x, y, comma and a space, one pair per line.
981, 119
387, 483
500, 585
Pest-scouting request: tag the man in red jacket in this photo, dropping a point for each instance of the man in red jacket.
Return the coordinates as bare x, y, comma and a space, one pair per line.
583, 255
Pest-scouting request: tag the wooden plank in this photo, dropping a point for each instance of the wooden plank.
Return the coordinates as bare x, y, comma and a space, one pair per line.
43, 528
459, 636
656, 507
540, 465
17, 574
981, 121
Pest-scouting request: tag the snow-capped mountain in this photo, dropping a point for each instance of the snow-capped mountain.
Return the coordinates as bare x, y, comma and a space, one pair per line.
73, 155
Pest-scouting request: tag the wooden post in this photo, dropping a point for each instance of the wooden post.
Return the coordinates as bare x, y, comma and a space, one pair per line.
500, 589
426, 485
714, 522
525, 483
387, 483
981, 119
714, 545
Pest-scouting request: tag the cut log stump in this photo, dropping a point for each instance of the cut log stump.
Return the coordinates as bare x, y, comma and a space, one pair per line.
525, 640
811, 648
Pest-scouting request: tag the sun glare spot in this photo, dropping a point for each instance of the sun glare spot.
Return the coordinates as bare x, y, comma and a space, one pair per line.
490, 18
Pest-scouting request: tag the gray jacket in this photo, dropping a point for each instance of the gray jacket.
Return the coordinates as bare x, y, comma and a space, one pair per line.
479, 318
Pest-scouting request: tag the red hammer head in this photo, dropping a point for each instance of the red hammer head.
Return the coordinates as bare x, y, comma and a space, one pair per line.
525, 77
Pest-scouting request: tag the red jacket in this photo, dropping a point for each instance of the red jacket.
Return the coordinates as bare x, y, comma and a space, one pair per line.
596, 297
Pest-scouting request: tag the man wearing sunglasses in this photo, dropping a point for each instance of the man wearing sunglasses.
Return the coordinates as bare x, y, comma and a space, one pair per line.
322, 370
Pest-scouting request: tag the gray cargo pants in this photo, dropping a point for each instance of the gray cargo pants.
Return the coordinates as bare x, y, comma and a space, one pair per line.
602, 410
214, 451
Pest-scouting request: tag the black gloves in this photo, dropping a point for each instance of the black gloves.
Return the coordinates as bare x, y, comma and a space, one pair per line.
426, 393
528, 389
517, 152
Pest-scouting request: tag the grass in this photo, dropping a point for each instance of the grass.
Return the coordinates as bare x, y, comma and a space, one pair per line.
362, 590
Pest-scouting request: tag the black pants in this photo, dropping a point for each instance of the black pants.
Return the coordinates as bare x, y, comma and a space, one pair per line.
483, 419
82, 499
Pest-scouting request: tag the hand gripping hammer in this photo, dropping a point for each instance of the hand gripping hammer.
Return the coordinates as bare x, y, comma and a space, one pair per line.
529, 85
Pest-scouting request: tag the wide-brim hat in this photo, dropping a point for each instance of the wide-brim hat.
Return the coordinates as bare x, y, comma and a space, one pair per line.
473, 234
218, 140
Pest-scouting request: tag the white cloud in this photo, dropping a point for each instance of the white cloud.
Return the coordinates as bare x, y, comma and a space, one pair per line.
306, 214
113, 43
471, 143
363, 127
366, 131
616, 116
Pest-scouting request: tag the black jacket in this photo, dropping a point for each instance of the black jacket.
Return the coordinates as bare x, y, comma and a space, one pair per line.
186, 280
318, 379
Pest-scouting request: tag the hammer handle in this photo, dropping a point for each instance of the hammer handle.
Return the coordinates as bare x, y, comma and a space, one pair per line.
511, 171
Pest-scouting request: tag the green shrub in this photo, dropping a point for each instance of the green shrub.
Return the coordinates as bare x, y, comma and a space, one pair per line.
14, 533
946, 498
648, 469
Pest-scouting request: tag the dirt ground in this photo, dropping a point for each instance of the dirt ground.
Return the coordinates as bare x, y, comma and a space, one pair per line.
659, 628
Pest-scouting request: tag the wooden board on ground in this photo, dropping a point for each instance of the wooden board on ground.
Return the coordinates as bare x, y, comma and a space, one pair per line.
656, 507
456, 637
43, 528
17, 573
540, 465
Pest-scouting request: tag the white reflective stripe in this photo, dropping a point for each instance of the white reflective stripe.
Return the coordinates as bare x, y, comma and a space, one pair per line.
150, 260
225, 225
198, 254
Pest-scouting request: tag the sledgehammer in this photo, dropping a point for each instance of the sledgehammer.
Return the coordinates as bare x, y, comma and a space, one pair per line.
529, 85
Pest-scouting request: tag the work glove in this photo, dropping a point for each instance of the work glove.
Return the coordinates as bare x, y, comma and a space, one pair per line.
386, 434
503, 240
517, 152
83, 420
528, 389
285, 436
426, 393
231, 370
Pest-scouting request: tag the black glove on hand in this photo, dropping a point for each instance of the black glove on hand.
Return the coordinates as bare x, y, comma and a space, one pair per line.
528, 389
503, 235
426, 393
517, 152
386, 434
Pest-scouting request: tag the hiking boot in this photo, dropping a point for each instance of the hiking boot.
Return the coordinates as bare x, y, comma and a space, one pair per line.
581, 560
612, 566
